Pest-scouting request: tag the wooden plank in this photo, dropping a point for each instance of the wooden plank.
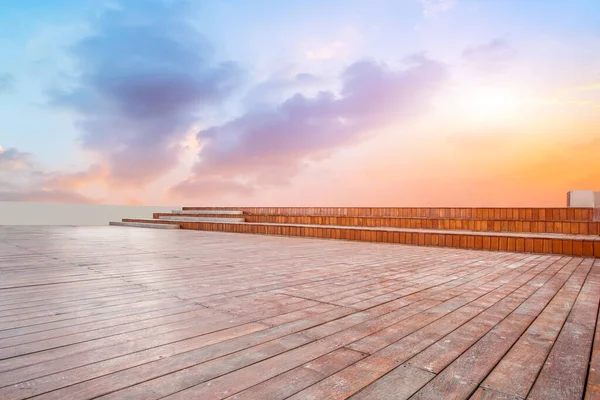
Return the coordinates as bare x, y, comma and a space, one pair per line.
564, 372
365, 372
124, 313
516, 373
489, 394
593, 379
398, 384
461, 378
438, 356
295, 380
252, 375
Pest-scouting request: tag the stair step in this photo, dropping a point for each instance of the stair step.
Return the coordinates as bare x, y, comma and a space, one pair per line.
142, 224
546, 243
516, 214
199, 219
212, 212
539, 226
180, 222
157, 215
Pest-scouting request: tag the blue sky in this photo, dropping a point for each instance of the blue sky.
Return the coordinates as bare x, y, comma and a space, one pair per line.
223, 102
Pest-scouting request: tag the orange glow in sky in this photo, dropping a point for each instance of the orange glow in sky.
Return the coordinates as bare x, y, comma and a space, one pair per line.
411, 103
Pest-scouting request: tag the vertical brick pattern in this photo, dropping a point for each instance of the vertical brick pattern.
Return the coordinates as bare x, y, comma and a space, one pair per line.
572, 247
529, 230
522, 214
576, 228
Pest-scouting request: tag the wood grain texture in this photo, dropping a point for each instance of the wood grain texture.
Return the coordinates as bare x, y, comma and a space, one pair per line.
114, 313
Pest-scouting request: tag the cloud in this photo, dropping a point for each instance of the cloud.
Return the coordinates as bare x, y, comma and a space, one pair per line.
13, 159
434, 7
208, 188
7, 82
46, 196
21, 179
265, 147
278, 87
145, 75
135, 202
76, 180
490, 57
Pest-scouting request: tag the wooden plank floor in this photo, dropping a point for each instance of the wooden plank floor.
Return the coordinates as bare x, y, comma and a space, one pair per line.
126, 313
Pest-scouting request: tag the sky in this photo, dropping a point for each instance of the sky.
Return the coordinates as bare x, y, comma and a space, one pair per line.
416, 103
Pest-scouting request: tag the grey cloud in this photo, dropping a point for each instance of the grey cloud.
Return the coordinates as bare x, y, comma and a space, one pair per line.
13, 159
145, 76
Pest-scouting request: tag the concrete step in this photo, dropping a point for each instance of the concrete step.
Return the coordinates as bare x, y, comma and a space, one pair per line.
544, 243
210, 212
185, 214
180, 222
142, 224
199, 219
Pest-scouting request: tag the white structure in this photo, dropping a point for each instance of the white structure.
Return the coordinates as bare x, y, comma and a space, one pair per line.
24, 213
583, 198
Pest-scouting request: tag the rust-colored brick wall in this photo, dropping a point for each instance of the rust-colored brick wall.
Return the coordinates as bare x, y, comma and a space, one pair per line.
568, 231
565, 227
521, 214
587, 247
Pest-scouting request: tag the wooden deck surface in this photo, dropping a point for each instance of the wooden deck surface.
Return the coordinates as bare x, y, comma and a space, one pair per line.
126, 313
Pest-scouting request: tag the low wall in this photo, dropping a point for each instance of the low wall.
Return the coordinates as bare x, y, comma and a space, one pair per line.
25, 213
519, 214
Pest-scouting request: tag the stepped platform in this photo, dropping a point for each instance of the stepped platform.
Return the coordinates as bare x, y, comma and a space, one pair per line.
562, 231
522, 214
145, 224
477, 225
123, 313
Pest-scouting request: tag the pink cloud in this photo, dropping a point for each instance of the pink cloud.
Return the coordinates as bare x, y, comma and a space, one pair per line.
207, 189
21, 179
46, 196
267, 146
76, 180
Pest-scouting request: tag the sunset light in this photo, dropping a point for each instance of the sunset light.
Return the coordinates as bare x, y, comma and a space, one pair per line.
300, 199
491, 103
332, 97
